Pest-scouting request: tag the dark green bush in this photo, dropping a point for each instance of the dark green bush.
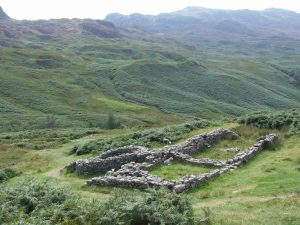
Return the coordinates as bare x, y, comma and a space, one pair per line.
7, 173
147, 138
33, 202
274, 120
154, 207
112, 122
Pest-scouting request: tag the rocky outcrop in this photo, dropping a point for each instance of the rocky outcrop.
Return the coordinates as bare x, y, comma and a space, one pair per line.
3, 15
100, 28
128, 166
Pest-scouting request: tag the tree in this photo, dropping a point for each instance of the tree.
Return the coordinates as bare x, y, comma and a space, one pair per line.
112, 123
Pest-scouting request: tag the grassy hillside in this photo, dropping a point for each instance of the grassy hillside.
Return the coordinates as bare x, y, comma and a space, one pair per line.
79, 80
74, 73
265, 189
47, 87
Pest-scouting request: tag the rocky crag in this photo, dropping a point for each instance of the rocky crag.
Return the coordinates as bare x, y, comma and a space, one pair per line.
128, 166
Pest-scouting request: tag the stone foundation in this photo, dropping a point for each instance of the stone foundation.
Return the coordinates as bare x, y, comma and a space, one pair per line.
128, 166
114, 159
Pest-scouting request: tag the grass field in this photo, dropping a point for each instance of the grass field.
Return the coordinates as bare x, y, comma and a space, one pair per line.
264, 191
177, 170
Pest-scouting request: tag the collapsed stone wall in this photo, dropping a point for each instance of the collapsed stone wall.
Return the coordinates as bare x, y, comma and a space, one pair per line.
198, 142
131, 175
201, 162
135, 175
128, 166
106, 163
188, 182
122, 150
115, 158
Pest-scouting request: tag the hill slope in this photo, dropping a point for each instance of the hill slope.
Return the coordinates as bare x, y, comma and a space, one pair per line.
73, 73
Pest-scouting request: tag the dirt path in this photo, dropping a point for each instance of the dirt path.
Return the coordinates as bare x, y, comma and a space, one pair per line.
54, 173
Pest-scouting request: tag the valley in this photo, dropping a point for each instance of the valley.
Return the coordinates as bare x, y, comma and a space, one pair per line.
75, 89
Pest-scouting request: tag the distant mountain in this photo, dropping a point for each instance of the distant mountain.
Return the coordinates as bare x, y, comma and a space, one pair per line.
55, 28
215, 23
58, 28
3, 15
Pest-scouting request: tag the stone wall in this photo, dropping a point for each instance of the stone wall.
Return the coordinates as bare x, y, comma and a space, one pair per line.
135, 175
128, 166
98, 164
198, 142
203, 162
115, 158
188, 182
131, 175
123, 150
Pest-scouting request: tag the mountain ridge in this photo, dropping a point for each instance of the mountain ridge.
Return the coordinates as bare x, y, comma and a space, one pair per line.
3, 15
206, 22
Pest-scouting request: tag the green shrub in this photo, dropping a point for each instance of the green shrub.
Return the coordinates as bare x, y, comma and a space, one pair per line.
45, 138
7, 173
147, 138
33, 202
111, 122
154, 207
275, 120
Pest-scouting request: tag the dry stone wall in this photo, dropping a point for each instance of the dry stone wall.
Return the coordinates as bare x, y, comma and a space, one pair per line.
114, 159
103, 164
128, 166
188, 182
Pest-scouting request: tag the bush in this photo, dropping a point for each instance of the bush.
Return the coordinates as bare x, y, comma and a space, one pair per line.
33, 202
112, 123
277, 120
46, 138
147, 138
154, 207
7, 173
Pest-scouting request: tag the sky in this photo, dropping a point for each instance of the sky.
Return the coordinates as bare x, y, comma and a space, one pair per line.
98, 9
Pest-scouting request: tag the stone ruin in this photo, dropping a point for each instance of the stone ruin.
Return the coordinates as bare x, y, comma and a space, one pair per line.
128, 166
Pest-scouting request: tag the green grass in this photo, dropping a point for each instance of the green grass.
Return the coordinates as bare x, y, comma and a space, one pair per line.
177, 170
265, 189
243, 211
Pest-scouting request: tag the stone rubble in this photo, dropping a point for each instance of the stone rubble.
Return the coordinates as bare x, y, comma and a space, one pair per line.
121, 172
